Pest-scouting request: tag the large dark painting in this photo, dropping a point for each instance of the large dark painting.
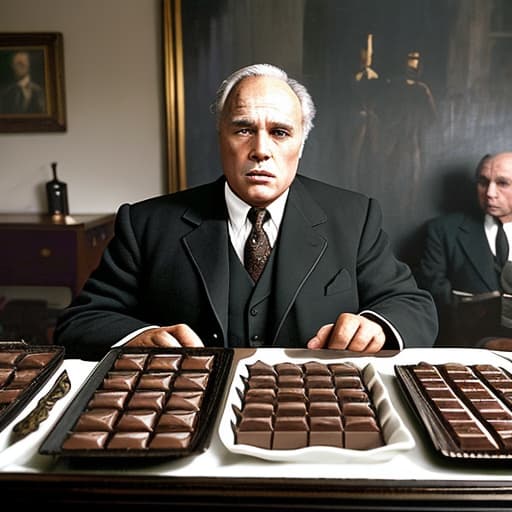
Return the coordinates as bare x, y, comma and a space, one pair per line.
410, 93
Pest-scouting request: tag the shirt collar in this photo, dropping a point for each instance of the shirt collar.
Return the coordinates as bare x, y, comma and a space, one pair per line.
491, 221
238, 209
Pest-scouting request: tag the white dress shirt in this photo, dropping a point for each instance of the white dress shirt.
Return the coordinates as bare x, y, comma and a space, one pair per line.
491, 230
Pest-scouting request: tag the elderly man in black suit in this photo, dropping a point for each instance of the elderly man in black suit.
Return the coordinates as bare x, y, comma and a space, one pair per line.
173, 275
462, 252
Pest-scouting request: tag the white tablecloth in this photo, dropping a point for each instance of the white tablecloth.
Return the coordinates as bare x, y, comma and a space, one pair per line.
419, 463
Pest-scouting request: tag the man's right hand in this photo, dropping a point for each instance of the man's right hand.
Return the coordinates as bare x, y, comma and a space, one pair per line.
179, 335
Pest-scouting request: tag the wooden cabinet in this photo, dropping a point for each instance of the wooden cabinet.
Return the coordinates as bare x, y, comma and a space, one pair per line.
38, 250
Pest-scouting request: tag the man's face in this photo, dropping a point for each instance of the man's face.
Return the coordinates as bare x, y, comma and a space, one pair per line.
20, 64
260, 137
494, 187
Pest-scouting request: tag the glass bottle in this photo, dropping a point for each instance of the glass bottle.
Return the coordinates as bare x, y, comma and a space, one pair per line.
57, 194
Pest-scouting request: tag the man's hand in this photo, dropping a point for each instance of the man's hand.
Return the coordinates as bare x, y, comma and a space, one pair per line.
350, 332
179, 335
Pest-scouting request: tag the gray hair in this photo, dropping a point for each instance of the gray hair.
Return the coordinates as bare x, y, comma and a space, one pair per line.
306, 102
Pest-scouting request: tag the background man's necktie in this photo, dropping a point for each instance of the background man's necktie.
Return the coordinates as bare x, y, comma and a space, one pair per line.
257, 247
502, 247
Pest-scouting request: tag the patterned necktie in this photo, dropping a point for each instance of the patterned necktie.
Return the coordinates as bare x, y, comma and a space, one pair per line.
501, 246
257, 247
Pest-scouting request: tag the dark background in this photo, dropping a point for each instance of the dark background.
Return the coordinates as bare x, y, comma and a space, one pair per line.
381, 137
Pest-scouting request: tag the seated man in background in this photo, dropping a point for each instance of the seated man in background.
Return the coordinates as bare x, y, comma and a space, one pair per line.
465, 254
323, 276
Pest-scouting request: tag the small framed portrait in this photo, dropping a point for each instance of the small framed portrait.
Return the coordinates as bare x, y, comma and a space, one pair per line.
32, 94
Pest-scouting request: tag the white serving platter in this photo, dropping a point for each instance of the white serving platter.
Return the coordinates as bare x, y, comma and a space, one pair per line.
396, 435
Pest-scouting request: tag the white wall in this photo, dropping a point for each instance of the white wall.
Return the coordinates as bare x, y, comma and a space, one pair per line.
113, 149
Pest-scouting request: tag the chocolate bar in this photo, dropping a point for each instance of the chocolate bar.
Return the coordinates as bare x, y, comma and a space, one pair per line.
144, 402
24, 369
467, 409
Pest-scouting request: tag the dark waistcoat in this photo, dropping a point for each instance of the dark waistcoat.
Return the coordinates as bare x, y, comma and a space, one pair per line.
249, 304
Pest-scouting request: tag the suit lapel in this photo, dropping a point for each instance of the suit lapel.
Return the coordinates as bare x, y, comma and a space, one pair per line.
299, 250
208, 247
474, 244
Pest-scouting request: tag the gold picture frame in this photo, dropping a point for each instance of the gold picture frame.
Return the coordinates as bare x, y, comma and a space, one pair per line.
174, 96
32, 93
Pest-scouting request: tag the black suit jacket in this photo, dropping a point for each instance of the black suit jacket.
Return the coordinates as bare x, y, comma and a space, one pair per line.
168, 264
457, 256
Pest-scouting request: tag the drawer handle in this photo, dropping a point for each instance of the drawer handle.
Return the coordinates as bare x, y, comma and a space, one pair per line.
45, 252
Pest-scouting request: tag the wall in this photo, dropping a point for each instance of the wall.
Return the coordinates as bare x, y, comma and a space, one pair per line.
113, 149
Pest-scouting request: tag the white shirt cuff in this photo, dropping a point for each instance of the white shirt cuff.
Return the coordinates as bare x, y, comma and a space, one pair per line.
398, 338
132, 335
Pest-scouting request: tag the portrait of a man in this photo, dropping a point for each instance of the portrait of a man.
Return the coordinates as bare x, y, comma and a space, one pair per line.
22, 88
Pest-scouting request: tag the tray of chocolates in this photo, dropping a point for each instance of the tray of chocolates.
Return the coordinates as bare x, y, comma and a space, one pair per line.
311, 410
144, 402
24, 369
466, 409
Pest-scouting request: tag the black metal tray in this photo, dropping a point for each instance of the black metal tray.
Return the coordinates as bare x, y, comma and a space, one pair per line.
28, 388
452, 434
54, 444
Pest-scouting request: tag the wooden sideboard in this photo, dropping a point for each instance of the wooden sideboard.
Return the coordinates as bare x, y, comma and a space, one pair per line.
40, 250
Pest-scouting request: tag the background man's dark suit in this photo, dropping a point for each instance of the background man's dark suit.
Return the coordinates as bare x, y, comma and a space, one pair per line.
168, 264
456, 256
